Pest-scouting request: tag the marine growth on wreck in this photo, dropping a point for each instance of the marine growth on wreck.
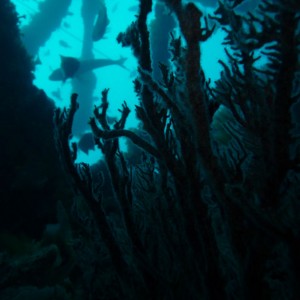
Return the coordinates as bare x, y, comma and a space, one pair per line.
176, 128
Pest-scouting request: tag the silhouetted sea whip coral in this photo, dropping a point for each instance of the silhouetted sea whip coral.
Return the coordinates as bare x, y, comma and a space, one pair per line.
223, 219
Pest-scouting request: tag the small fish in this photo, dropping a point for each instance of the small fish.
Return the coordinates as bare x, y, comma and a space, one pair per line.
101, 23
133, 8
71, 67
64, 44
86, 142
57, 94
66, 25
37, 60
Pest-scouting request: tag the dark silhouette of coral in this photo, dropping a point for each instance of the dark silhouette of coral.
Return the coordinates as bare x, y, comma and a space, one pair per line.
211, 208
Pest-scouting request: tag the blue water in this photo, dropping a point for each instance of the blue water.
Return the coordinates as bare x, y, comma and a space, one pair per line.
67, 40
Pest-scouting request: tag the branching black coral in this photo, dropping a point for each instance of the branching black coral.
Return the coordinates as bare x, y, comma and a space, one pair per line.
215, 178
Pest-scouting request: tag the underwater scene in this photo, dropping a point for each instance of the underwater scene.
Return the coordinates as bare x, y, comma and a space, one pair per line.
150, 149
